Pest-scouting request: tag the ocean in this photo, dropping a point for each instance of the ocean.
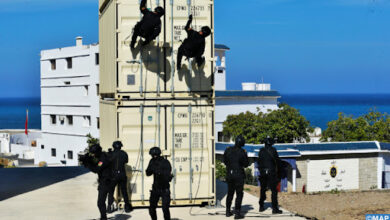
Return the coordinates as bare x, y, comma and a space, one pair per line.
13, 113
318, 109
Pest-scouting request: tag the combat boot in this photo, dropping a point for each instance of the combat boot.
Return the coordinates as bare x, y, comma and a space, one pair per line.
128, 208
110, 209
277, 211
238, 215
261, 209
228, 212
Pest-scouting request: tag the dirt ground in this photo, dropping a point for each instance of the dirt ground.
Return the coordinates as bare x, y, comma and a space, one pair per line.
336, 205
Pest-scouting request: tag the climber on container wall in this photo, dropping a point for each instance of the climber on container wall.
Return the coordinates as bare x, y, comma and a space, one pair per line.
194, 44
150, 25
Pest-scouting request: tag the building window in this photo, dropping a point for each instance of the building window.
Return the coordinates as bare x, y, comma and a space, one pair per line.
98, 122
61, 118
53, 119
67, 82
97, 89
69, 63
42, 146
85, 90
220, 71
70, 119
220, 136
70, 154
96, 58
53, 64
87, 121
53, 152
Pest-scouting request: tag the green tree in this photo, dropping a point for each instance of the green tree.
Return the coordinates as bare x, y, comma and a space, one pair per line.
91, 140
286, 124
369, 127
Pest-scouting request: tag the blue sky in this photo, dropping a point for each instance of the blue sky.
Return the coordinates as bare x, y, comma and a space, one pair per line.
299, 46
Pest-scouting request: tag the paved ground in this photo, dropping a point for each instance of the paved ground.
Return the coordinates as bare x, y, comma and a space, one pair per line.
75, 198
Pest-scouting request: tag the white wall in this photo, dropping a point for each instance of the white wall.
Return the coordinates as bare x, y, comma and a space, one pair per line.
62, 144
385, 167
4, 143
24, 151
225, 106
68, 92
17, 142
319, 179
220, 73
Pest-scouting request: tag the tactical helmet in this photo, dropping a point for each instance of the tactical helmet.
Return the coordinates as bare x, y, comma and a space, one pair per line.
117, 145
240, 141
155, 151
159, 10
206, 31
269, 141
95, 149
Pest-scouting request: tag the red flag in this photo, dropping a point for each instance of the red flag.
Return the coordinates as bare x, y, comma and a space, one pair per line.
26, 124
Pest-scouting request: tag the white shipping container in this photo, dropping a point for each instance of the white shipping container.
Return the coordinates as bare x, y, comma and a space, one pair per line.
150, 69
169, 125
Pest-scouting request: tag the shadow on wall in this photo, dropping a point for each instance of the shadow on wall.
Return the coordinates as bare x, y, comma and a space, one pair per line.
154, 58
16, 181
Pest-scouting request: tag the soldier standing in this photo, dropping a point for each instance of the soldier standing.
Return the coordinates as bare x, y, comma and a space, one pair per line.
269, 167
161, 170
235, 159
119, 160
99, 162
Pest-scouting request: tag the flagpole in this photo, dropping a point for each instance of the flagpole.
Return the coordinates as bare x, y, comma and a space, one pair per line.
26, 128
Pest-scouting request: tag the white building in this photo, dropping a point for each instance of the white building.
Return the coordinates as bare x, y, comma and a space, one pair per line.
253, 97
220, 70
69, 102
16, 142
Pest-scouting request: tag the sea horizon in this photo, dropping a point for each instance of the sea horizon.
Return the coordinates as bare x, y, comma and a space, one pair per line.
318, 108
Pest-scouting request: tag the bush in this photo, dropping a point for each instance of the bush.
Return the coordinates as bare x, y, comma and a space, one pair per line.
91, 140
220, 171
221, 174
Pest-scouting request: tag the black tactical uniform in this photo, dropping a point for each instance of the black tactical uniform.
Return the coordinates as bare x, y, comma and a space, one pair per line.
193, 45
150, 25
269, 167
104, 170
119, 160
235, 159
161, 169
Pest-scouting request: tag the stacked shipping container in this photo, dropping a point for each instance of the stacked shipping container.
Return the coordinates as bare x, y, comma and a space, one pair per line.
146, 102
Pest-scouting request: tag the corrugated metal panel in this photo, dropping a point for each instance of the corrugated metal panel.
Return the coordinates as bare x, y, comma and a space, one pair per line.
108, 123
142, 127
203, 12
107, 48
149, 70
168, 102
